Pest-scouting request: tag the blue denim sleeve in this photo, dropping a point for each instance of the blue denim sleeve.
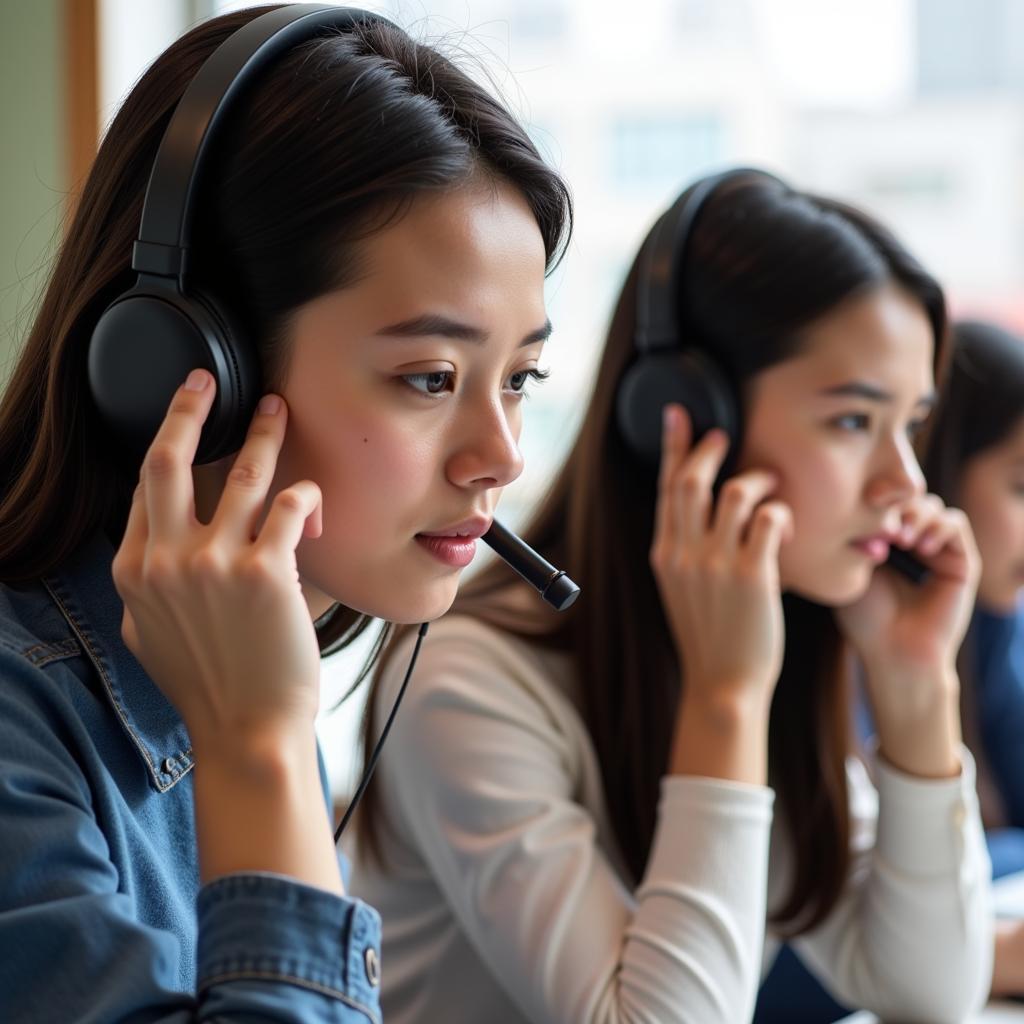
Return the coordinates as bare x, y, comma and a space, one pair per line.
257, 931
73, 946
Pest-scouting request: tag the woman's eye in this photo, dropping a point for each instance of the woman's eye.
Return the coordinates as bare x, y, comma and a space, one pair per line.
915, 428
854, 421
430, 383
518, 381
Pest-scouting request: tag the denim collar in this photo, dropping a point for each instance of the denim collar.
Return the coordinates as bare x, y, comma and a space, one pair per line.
84, 591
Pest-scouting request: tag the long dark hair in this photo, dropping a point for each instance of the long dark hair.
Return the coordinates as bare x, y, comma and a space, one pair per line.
981, 404
328, 146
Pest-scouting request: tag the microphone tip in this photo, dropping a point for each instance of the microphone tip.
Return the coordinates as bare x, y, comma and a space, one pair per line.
561, 592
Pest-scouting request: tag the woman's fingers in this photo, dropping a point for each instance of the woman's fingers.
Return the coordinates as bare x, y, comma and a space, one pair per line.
933, 538
771, 524
719, 581
169, 494
929, 527
675, 445
736, 503
245, 491
285, 524
947, 542
917, 516
690, 493
136, 529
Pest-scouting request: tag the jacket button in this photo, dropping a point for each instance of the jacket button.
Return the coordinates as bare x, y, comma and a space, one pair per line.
372, 962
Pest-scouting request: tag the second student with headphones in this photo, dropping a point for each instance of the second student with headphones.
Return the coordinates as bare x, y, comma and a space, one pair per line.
615, 816
344, 239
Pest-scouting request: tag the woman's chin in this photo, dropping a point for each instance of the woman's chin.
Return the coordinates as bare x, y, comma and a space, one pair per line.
423, 604
834, 590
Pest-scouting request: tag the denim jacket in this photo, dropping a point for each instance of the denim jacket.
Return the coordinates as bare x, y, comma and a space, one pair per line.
102, 917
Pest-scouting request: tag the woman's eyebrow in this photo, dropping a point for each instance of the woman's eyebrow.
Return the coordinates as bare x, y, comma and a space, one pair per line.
871, 392
434, 325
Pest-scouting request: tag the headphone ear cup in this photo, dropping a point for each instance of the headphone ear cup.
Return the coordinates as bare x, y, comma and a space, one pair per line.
142, 349
239, 369
687, 378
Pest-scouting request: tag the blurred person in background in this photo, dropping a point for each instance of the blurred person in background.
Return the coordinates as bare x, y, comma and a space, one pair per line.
975, 460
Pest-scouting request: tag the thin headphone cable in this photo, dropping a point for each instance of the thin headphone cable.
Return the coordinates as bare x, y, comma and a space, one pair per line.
364, 782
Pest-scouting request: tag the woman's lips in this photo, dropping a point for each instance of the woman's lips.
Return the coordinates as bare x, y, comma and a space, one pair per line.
876, 548
457, 552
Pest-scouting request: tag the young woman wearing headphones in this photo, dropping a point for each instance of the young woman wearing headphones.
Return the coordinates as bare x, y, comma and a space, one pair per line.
363, 255
975, 460
617, 815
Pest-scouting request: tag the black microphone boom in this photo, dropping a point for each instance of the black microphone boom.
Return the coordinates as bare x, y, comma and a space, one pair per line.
554, 586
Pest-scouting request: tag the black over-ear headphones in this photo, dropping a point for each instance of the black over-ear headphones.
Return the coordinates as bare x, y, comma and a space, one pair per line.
670, 364
149, 338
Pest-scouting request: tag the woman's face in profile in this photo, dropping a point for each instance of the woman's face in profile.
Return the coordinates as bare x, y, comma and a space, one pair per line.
991, 492
836, 422
404, 392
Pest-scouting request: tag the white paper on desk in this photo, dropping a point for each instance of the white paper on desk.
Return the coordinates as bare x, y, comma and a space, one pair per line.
994, 1013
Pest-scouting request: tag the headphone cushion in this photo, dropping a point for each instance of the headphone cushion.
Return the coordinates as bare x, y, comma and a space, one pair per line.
685, 378
142, 348
240, 366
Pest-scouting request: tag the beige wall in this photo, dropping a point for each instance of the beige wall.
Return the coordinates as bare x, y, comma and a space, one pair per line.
32, 158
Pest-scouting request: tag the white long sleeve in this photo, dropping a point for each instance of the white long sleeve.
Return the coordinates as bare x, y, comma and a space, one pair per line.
505, 897
911, 937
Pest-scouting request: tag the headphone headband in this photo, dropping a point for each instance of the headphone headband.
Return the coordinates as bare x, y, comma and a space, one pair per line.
661, 257
669, 365
166, 227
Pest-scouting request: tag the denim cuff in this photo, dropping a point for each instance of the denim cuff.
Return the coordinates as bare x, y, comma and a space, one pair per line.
268, 927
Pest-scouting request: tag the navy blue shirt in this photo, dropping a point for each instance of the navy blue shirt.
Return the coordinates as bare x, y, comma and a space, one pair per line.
998, 651
102, 917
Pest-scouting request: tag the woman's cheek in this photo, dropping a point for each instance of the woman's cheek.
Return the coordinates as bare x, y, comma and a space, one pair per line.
388, 471
818, 495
